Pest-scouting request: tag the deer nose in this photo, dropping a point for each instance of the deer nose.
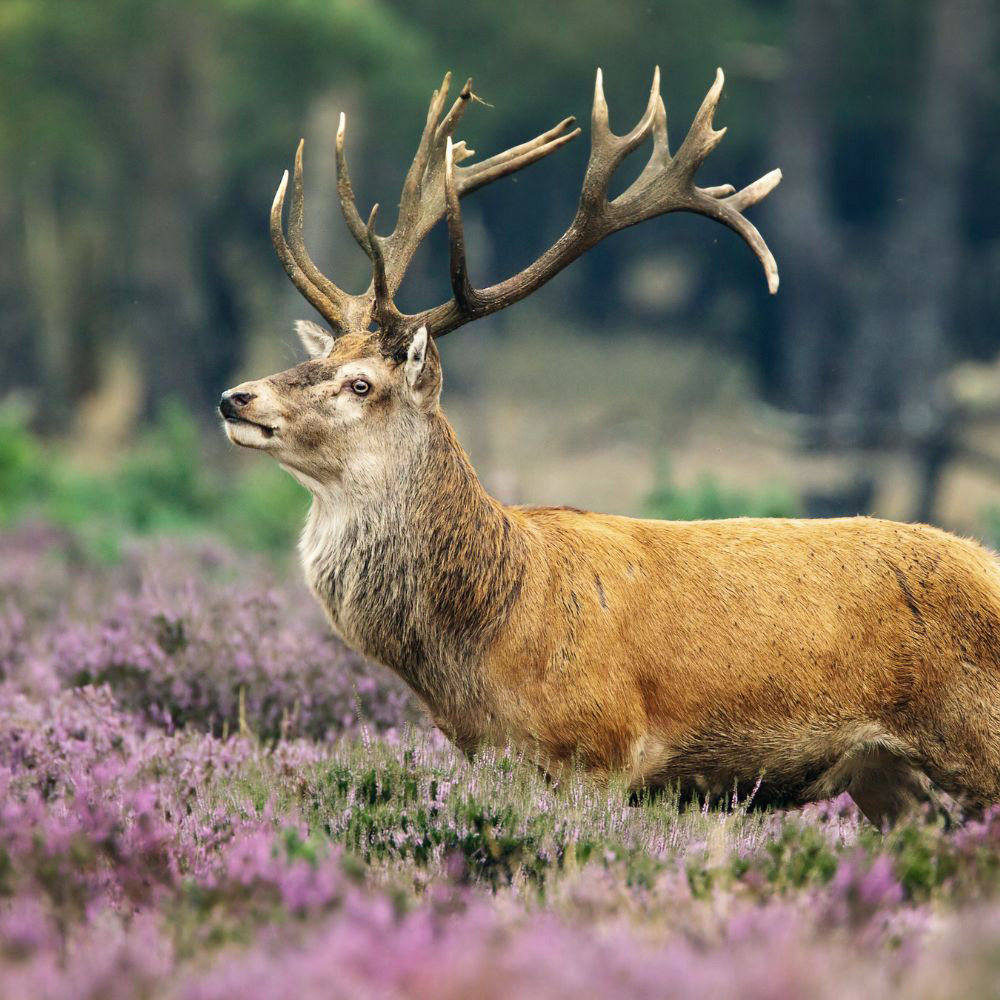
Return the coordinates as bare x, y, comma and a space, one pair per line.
232, 402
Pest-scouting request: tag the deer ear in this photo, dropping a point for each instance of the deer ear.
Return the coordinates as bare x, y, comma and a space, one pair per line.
317, 341
416, 357
423, 378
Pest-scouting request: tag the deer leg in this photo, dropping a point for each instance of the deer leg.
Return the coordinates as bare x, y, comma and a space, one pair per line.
888, 787
974, 789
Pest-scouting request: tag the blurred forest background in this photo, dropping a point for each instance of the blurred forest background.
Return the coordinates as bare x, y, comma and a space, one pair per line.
141, 142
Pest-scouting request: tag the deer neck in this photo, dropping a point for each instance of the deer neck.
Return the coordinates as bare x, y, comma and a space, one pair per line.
421, 571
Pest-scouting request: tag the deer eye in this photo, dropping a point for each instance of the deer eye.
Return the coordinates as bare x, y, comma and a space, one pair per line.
360, 387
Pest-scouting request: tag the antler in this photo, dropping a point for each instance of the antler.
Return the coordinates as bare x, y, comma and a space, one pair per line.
421, 206
666, 184
435, 184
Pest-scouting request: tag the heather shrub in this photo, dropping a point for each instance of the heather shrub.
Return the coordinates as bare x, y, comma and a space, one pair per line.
203, 793
189, 635
228, 658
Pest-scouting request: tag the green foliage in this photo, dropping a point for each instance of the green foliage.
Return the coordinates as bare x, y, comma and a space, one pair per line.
66, 66
709, 499
265, 509
391, 812
168, 467
798, 857
165, 484
923, 860
926, 859
23, 471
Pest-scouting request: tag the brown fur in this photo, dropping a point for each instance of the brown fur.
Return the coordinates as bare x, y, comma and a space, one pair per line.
850, 654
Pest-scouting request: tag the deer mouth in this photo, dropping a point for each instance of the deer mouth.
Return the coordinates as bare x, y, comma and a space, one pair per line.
265, 429
235, 433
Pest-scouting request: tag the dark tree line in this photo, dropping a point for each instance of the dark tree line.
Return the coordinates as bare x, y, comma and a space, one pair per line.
878, 306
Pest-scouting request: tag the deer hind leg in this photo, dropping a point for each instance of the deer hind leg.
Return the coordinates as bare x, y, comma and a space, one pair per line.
973, 783
888, 787
959, 744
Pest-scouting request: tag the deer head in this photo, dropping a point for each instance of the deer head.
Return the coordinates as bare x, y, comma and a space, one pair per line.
353, 405
374, 377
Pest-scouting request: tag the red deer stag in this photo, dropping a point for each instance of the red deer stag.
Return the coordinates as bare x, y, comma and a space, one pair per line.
818, 656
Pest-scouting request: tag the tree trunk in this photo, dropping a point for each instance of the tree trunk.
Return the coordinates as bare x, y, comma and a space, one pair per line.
807, 236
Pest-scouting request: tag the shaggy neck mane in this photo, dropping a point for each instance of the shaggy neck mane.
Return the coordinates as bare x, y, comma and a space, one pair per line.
423, 571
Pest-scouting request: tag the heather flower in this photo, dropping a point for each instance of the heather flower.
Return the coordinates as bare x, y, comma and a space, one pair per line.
183, 648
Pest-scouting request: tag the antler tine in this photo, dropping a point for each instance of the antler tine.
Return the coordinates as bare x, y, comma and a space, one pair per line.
329, 309
454, 116
732, 209
476, 175
752, 193
661, 141
599, 124
345, 192
648, 120
414, 176
719, 190
524, 147
659, 158
461, 287
607, 150
421, 170
385, 312
296, 239
702, 138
